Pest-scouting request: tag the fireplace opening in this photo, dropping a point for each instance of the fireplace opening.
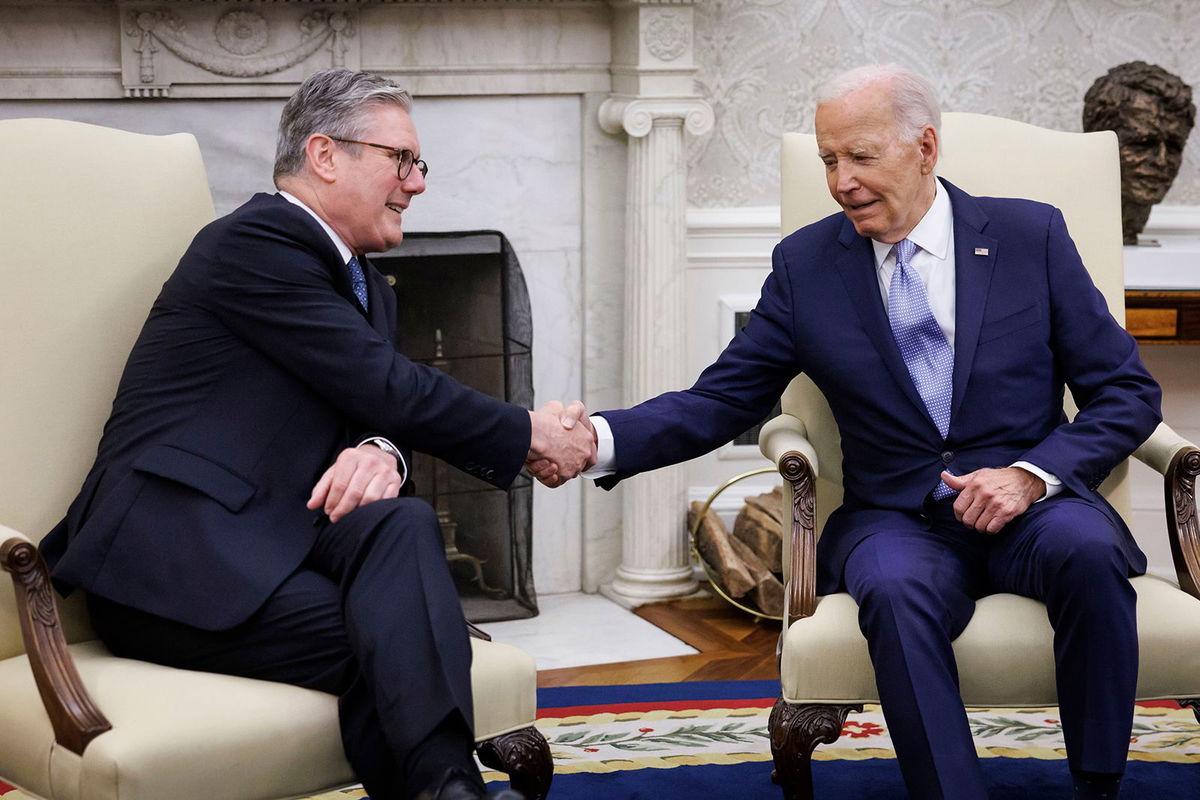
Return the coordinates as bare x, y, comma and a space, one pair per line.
464, 308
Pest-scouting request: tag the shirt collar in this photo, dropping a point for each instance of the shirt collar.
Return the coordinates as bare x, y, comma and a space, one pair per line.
932, 233
337, 240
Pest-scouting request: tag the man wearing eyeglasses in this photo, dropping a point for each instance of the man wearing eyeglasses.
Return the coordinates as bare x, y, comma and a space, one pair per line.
243, 513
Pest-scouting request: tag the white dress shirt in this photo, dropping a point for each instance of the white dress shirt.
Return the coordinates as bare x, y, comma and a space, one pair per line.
933, 262
346, 254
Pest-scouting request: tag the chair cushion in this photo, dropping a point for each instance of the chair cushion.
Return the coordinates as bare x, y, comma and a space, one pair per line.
184, 734
1005, 655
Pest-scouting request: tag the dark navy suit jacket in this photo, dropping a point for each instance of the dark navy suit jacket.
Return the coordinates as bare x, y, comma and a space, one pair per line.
255, 368
1028, 321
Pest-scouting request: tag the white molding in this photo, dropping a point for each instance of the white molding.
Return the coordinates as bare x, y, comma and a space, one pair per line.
738, 238
743, 238
732, 499
1173, 219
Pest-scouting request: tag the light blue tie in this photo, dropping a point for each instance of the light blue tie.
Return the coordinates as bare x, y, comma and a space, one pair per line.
922, 343
358, 281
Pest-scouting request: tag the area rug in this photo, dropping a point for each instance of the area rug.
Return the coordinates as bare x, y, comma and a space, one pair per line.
709, 740
673, 741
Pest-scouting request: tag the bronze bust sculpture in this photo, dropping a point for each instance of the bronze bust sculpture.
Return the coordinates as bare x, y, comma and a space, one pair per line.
1152, 112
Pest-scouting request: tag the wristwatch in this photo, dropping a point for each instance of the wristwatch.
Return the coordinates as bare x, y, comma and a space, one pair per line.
387, 447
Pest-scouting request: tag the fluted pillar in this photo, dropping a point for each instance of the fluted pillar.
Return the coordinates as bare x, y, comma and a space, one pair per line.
655, 563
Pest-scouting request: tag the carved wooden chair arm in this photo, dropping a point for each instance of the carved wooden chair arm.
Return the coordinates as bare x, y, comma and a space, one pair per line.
74, 716
478, 633
1179, 462
784, 441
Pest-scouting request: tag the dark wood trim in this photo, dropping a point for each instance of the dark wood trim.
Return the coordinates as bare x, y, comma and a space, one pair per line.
1183, 528
525, 755
796, 730
74, 716
1163, 317
802, 578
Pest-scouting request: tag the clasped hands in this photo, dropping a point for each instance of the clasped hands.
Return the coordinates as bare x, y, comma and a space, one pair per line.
562, 443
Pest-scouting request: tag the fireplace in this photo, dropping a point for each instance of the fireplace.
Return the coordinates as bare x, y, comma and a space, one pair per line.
464, 308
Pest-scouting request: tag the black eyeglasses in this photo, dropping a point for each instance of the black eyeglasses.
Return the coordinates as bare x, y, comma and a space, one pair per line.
404, 158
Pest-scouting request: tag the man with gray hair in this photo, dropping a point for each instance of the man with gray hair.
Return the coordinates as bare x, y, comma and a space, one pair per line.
243, 514
942, 329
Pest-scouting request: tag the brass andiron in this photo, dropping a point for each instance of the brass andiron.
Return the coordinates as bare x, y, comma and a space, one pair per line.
441, 502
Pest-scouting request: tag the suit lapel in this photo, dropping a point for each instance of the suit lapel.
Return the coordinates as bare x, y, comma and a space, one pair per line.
856, 266
341, 275
974, 262
377, 292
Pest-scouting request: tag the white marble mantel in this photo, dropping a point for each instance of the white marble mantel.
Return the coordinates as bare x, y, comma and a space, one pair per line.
530, 113
103, 49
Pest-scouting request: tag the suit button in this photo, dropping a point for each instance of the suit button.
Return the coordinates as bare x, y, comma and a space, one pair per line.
947, 456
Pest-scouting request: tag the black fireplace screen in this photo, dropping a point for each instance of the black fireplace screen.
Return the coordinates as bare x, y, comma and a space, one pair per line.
464, 308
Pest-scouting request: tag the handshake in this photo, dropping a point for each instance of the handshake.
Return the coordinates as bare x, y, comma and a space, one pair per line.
562, 443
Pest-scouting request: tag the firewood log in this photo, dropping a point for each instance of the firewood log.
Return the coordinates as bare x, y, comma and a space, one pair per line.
767, 594
758, 526
716, 547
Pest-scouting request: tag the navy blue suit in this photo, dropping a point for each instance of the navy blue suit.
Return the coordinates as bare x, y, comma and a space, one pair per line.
1028, 322
255, 368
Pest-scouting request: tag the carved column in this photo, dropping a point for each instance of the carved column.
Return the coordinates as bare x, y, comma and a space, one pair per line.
654, 104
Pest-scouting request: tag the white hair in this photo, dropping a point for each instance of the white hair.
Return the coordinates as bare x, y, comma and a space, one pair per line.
914, 100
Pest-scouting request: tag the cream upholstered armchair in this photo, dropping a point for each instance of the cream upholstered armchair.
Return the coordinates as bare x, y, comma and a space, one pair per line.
1005, 655
92, 220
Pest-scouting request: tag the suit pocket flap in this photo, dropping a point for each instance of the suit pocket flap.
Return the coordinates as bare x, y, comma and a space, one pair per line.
198, 472
1013, 322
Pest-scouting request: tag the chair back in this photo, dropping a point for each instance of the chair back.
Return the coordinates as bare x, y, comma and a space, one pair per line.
1080, 173
92, 221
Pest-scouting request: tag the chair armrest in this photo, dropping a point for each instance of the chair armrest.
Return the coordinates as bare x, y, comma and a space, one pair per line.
1179, 462
784, 441
74, 716
1160, 449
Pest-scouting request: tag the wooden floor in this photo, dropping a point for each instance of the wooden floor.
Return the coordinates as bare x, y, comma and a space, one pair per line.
732, 647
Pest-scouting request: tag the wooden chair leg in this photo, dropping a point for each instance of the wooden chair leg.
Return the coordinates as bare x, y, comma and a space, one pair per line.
525, 755
1193, 703
795, 731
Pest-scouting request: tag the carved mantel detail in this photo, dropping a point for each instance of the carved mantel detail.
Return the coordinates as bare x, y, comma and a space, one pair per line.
635, 116
668, 36
236, 44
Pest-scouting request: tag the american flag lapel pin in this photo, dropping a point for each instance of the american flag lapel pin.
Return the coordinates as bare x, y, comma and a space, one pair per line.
981, 251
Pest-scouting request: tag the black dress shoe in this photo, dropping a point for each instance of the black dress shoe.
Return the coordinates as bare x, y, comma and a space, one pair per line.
1096, 786
460, 785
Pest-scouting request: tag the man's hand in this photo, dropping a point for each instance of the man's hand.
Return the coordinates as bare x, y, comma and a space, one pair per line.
562, 443
361, 475
991, 498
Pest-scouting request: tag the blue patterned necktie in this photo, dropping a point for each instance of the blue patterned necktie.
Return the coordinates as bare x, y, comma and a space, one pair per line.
358, 281
922, 343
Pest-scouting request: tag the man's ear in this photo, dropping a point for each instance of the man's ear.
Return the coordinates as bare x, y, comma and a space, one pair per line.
929, 146
320, 151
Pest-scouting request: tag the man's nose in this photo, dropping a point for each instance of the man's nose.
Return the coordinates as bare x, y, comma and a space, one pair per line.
847, 178
1162, 154
414, 183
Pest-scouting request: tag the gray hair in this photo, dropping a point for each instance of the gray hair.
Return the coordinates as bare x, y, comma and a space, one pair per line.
914, 99
333, 102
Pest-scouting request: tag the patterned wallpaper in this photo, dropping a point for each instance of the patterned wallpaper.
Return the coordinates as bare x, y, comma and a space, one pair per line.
1031, 60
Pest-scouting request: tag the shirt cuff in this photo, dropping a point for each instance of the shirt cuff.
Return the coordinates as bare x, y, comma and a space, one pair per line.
386, 446
1053, 484
606, 449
